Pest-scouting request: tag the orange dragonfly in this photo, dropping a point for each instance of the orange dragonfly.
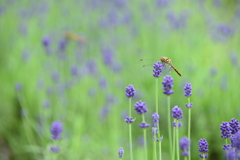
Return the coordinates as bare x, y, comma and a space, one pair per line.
75, 37
166, 60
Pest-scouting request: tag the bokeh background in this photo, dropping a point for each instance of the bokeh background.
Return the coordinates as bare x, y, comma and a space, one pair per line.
70, 61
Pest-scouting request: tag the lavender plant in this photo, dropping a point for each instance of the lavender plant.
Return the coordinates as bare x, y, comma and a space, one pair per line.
188, 94
177, 114
120, 153
185, 147
157, 70
130, 92
56, 130
203, 148
167, 87
141, 108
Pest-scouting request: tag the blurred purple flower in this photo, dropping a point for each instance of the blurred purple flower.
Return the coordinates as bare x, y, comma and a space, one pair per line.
55, 149
55, 76
104, 112
62, 44
103, 83
162, 3
46, 41
108, 56
155, 119
92, 67
177, 22
120, 152
74, 70
184, 146
46, 104
56, 130
18, 87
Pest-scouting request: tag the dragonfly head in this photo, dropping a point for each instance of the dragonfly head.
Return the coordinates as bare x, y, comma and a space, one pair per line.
164, 59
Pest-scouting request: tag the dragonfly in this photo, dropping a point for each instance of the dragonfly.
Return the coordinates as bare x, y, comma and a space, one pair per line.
166, 60
75, 37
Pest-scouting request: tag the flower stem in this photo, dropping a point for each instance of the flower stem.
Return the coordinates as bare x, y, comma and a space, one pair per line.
177, 141
189, 127
159, 135
145, 138
130, 132
169, 126
174, 141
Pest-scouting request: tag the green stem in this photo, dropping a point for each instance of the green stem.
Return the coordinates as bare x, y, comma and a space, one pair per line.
177, 141
159, 144
145, 138
130, 132
189, 127
174, 141
169, 126
154, 146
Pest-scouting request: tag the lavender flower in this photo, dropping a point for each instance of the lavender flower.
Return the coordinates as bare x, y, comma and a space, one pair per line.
231, 155
226, 147
155, 119
62, 44
236, 141
120, 152
46, 41
55, 149
188, 90
177, 112
141, 107
130, 91
56, 130
184, 146
225, 130
234, 124
167, 85
157, 69
154, 132
74, 70
144, 125
175, 124
103, 83
189, 105
18, 87
129, 120
203, 147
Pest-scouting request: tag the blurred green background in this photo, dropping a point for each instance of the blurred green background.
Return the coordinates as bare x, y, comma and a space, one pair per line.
81, 81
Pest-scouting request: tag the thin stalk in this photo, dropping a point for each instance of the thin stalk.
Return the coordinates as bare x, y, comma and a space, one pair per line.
189, 127
145, 138
159, 144
154, 146
177, 141
174, 141
130, 132
169, 126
